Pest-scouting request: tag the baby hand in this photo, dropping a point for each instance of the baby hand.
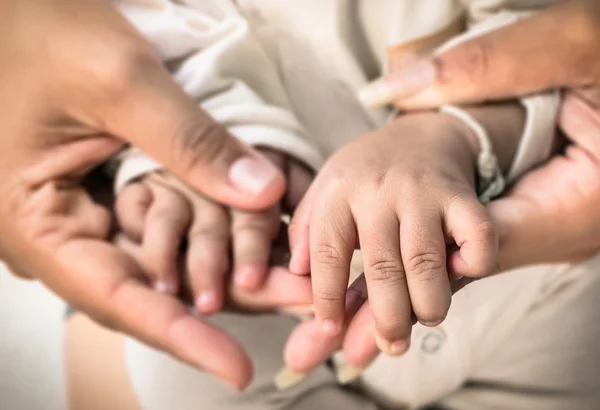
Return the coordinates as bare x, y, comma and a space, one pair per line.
404, 193
164, 216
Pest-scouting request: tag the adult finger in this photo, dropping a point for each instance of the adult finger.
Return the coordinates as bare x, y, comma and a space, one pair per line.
128, 85
386, 278
119, 301
515, 60
274, 294
65, 239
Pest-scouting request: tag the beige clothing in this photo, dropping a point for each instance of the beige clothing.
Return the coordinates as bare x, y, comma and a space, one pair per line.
523, 340
284, 74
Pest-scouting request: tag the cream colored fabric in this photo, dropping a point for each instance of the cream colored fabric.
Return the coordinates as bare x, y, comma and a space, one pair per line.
284, 74
523, 340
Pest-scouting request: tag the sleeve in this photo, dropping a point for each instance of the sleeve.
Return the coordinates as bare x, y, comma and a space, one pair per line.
542, 108
216, 59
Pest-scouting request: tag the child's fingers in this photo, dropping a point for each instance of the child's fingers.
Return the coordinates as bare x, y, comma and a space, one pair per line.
166, 224
131, 207
253, 234
472, 228
208, 254
332, 239
423, 248
379, 233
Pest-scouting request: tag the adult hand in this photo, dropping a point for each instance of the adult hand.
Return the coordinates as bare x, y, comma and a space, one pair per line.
530, 56
551, 214
78, 83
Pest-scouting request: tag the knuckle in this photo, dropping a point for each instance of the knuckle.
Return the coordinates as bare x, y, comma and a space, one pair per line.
199, 142
415, 179
387, 271
394, 328
328, 295
168, 216
209, 231
329, 255
338, 181
426, 264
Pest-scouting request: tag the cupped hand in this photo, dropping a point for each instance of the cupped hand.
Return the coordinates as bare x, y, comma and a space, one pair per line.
79, 83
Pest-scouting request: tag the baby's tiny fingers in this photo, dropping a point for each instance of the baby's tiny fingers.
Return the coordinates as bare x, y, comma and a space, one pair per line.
131, 207
165, 227
472, 228
253, 234
379, 233
332, 240
424, 256
208, 254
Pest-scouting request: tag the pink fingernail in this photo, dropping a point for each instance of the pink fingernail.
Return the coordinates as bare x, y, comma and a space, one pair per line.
252, 175
207, 302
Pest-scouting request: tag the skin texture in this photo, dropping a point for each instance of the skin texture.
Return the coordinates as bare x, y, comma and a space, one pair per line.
159, 213
406, 194
83, 83
551, 214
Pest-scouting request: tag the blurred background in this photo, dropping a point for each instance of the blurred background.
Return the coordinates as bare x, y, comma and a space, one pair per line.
31, 359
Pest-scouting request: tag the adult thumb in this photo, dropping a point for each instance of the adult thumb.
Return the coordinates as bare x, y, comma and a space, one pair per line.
149, 110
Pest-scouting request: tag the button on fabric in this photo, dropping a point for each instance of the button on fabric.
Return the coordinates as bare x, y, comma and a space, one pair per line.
432, 341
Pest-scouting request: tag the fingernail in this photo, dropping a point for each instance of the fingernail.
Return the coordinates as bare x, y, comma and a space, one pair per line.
247, 277
286, 378
347, 373
330, 327
398, 85
391, 348
207, 301
252, 175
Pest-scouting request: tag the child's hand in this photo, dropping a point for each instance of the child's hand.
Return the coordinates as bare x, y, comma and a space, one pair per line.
404, 193
161, 214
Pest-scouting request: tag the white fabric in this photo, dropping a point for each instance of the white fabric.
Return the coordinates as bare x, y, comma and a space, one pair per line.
542, 109
287, 80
